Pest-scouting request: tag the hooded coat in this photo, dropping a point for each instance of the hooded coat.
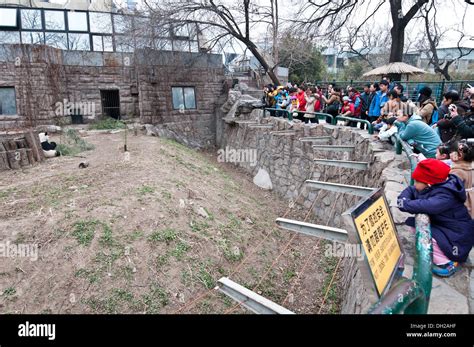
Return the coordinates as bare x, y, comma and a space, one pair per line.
465, 171
425, 139
427, 108
451, 224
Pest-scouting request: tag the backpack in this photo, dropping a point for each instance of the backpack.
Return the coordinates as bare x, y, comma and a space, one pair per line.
434, 117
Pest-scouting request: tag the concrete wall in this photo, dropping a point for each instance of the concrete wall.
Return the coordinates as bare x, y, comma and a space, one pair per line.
289, 163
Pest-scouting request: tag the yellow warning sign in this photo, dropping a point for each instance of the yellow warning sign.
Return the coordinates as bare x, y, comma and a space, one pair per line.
379, 239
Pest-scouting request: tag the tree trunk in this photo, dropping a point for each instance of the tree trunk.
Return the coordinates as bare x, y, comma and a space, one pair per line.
252, 48
396, 50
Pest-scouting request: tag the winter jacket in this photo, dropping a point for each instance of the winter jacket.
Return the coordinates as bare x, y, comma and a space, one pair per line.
421, 135
349, 107
377, 102
356, 100
451, 224
310, 102
426, 110
365, 102
465, 171
464, 125
385, 133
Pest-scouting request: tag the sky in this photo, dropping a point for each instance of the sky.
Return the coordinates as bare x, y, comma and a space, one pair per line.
449, 15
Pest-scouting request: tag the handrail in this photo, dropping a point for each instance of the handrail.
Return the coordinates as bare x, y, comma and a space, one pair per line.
412, 296
319, 115
400, 146
370, 128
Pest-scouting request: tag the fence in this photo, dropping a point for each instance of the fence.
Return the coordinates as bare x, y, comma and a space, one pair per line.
319, 115
411, 88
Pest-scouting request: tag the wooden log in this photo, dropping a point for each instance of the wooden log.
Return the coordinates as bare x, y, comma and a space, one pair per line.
23, 157
32, 141
14, 158
31, 157
4, 164
2, 147
10, 145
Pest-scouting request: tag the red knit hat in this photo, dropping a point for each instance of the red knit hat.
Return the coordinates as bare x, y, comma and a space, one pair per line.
431, 171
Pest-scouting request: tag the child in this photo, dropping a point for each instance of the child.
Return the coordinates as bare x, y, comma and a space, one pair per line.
462, 167
310, 98
441, 196
282, 104
387, 130
443, 153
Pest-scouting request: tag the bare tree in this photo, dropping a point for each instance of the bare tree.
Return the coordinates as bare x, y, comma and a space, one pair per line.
329, 17
219, 20
434, 34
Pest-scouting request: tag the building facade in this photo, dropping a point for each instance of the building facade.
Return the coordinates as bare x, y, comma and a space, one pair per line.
80, 76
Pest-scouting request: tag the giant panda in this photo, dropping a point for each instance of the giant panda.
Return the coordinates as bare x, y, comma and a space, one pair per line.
49, 148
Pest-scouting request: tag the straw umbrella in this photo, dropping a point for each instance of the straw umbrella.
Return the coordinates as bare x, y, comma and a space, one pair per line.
395, 68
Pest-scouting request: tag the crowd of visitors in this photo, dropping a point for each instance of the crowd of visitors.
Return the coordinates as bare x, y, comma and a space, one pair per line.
441, 135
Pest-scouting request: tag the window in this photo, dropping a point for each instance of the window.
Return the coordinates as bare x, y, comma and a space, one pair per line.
8, 17
122, 24
9, 37
100, 22
31, 19
54, 20
57, 40
108, 44
77, 21
123, 44
102, 43
181, 46
183, 98
79, 42
194, 46
33, 38
163, 45
7, 101
181, 31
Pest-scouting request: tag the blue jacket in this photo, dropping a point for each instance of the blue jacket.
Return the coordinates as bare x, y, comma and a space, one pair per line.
377, 102
451, 224
421, 135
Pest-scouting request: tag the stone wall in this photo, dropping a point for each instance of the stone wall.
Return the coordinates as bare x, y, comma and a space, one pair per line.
289, 162
44, 76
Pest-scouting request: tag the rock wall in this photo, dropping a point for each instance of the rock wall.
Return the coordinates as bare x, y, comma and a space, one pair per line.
289, 162
43, 77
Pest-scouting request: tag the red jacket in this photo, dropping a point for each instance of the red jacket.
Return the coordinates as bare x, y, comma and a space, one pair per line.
358, 109
348, 107
318, 104
301, 101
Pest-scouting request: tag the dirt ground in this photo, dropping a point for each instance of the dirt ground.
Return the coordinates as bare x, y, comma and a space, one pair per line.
150, 231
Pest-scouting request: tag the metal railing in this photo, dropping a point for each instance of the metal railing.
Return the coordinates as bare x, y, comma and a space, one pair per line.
403, 146
320, 115
412, 296
370, 128
410, 88
289, 114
